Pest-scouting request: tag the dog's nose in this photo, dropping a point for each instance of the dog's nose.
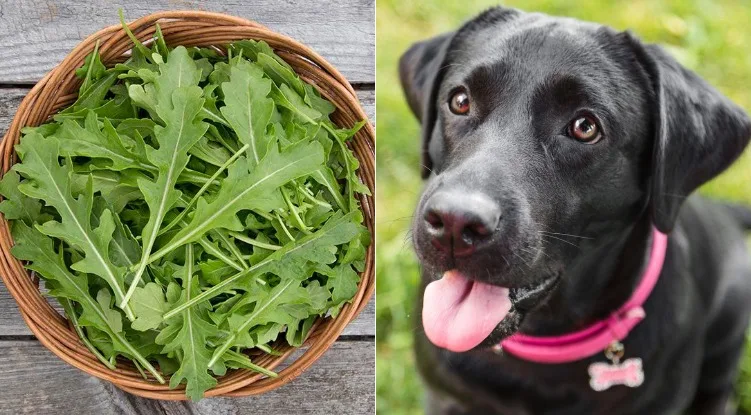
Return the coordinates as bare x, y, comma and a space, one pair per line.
460, 222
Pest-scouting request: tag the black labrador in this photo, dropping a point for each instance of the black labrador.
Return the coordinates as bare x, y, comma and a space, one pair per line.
551, 148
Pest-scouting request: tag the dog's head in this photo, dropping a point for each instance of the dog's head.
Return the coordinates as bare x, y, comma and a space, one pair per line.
538, 131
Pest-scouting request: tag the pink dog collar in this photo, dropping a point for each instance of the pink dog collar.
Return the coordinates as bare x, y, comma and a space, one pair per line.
600, 335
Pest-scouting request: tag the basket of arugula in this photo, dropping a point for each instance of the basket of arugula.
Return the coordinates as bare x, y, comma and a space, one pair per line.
194, 192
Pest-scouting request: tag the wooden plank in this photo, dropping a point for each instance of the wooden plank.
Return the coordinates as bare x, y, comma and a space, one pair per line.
10, 99
12, 325
37, 34
364, 324
33, 380
367, 100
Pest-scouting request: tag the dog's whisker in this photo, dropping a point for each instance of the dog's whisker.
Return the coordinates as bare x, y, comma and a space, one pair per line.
396, 219
448, 65
529, 251
522, 259
426, 168
565, 234
504, 258
560, 239
538, 251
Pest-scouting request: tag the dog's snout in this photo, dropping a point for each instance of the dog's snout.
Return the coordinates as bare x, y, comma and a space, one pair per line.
460, 223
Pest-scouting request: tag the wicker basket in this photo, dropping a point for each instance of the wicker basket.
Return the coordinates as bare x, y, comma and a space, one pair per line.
58, 89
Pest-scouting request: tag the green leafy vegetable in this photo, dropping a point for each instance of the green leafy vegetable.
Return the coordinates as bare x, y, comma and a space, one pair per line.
176, 99
189, 207
247, 107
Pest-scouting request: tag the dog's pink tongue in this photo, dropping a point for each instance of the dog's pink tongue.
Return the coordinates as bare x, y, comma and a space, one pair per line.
458, 314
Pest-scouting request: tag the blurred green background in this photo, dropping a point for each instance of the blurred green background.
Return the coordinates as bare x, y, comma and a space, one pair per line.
711, 37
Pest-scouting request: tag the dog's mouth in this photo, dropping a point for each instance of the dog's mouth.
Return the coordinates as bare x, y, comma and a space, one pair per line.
460, 314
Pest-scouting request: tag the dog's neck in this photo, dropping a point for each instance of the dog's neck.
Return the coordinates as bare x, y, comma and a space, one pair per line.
596, 283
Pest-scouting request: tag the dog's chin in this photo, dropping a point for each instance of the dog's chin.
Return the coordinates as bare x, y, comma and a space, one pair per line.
523, 300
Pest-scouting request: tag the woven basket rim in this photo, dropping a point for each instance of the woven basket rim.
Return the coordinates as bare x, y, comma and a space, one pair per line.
58, 88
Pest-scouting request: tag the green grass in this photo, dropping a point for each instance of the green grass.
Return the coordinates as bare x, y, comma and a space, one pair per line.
711, 37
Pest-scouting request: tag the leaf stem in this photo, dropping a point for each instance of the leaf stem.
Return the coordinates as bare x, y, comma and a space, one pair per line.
91, 62
306, 193
140, 369
254, 242
224, 238
196, 177
71, 313
295, 214
284, 227
245, 360
265, 348
136, 43
343, 148
213, 250
203, 189
263, 215
213, 291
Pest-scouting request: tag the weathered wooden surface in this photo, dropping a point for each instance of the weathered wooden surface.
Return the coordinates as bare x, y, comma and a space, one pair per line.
34, 381
34, 36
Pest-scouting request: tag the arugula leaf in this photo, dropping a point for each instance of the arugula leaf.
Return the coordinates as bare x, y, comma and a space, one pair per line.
149, 305
178, 103
247, 107
326, 178
120, 187
16, 205
292, 101
281, 74
93, 97
52, 183
90, 141
342, 281
92, 69
350, 162
210, 152
191, 340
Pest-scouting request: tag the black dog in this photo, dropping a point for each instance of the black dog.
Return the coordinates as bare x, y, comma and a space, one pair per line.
552, 147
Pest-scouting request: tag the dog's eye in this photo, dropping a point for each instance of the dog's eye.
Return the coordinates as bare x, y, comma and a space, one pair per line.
584, 128
459, 102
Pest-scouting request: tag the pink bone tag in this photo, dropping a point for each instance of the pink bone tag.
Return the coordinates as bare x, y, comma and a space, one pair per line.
605, 375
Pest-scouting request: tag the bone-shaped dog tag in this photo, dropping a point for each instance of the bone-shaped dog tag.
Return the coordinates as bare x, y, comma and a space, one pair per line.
605, 375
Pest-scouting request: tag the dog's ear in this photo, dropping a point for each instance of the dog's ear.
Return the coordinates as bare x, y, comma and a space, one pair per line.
698, 132
421, 70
